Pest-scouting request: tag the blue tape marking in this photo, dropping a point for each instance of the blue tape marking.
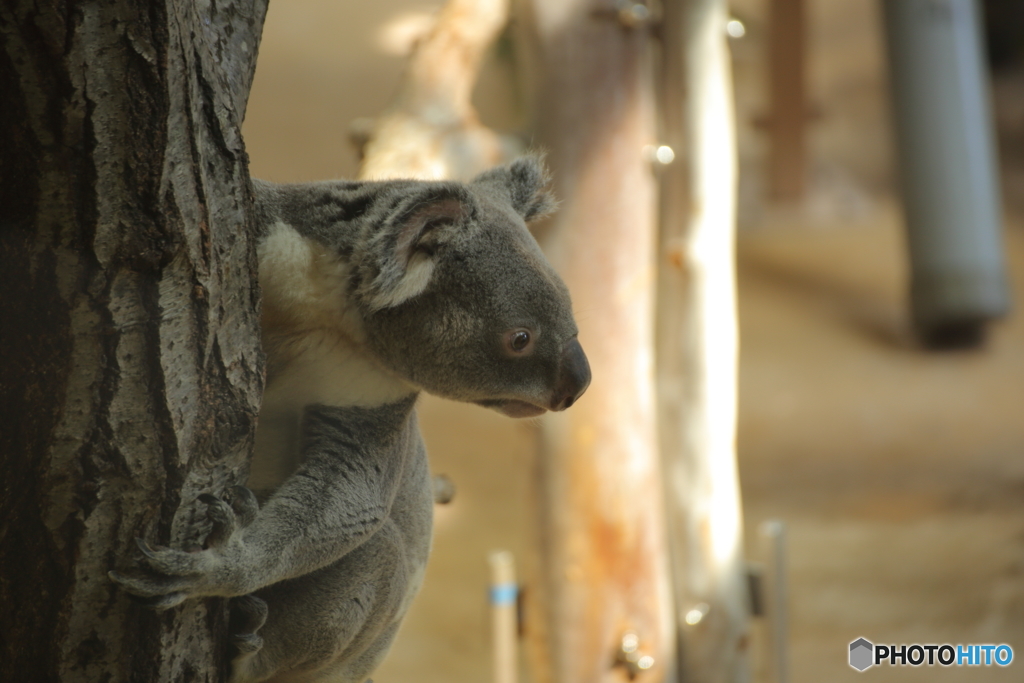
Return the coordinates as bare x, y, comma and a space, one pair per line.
504, 594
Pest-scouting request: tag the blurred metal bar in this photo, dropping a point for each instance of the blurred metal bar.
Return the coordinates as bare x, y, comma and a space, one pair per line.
787, 170
773, 535
947, 161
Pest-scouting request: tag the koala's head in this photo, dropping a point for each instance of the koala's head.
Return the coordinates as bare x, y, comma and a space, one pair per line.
458, 298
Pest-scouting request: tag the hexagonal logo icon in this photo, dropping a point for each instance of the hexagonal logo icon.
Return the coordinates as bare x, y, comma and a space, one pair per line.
861, 654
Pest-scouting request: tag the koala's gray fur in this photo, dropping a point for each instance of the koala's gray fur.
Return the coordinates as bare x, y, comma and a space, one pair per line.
373, 291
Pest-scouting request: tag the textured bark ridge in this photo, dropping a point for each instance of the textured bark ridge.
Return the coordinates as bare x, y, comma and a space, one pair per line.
130, 365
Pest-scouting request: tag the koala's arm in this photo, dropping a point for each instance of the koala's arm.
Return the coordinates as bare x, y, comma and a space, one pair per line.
337, 499
327, 508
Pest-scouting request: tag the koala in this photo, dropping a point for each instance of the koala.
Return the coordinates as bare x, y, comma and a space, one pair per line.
372, 293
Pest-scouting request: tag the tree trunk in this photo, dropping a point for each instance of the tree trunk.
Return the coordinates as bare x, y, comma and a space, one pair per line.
604, 568
787, 84
132, 370
431, 130
698, 343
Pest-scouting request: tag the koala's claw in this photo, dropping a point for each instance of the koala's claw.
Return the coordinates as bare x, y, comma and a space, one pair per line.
149, 552
219, 511
223, 518
159, 595
158, 603
244, 503
169, 562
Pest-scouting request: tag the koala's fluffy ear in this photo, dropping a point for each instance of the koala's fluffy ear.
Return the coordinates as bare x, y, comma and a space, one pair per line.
525, 180
402, 255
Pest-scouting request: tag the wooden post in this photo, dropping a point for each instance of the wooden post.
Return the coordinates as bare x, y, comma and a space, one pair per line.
787, 168
698, 342
603, 563
504, 619
773, 542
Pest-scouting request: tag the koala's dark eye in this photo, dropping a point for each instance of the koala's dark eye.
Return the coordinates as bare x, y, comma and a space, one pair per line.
519, 341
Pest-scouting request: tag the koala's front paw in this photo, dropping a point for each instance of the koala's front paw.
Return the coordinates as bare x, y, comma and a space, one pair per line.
167, 577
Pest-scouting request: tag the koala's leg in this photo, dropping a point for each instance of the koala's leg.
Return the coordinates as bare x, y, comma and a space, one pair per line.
335, 624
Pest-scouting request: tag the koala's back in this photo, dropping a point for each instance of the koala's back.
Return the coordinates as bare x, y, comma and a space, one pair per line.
357, 603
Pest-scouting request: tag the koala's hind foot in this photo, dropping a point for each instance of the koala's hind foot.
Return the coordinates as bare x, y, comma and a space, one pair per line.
167, 577
248, 614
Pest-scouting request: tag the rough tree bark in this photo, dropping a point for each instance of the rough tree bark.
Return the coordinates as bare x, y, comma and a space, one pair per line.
131, 372
604, 566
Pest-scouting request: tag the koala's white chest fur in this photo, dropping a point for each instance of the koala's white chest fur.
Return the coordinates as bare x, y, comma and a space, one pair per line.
313, 339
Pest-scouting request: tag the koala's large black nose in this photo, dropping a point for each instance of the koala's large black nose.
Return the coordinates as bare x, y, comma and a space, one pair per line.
573, 376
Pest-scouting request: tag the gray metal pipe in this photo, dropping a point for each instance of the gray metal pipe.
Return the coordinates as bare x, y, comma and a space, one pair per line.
947, 165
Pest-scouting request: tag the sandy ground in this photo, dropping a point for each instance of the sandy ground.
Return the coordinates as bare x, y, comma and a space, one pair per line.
898, 472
